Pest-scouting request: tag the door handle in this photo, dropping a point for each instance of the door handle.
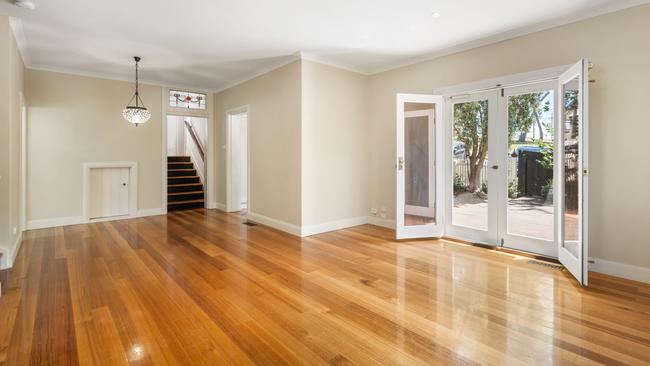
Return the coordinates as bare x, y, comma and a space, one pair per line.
495, 167
400, 163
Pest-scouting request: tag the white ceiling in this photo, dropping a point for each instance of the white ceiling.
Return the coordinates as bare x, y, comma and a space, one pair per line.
211, 44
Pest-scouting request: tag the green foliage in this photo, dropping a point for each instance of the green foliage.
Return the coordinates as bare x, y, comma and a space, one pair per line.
546, 149
471, 126
513, 189
459, 185
524, 111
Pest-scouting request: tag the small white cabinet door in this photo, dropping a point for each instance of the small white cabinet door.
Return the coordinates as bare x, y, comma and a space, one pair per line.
109, 192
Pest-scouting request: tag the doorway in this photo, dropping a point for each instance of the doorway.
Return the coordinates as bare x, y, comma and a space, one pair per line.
237, 160
502, 147
187, 138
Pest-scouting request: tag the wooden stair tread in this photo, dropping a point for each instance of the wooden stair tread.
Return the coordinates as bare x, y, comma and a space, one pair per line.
182, 193
169, 203
185, 184
183, 176
180, 170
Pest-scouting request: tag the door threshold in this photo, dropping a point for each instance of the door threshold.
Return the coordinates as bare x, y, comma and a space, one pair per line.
520, 253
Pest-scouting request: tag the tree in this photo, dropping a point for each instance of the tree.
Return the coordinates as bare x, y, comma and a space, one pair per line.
471, 128
524, 111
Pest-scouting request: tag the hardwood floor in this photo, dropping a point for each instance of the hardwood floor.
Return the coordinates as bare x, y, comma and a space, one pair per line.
198, 287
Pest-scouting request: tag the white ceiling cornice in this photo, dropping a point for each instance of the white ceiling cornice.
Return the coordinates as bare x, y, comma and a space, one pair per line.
142, 81
223, 77
19, 35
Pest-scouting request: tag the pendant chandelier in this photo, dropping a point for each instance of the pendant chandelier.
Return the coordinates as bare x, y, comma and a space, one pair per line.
137, 113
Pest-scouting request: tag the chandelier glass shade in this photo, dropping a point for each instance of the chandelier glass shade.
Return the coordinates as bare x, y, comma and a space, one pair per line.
137, 113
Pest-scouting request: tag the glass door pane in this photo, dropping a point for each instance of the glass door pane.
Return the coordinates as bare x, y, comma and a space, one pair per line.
529, 180
470, 164
419, 157
572, 174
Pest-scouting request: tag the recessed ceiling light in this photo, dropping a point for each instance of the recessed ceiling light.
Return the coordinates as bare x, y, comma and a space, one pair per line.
25, 4
435, 14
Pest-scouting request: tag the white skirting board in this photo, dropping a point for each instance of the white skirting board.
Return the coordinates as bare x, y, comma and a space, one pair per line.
75, 220
617, 269
218, 205
378, 221
9, 256
333, 225
276, 224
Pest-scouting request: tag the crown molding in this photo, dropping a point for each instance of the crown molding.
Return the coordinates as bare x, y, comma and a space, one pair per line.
16, 25
265, 70
325, 61
67, 71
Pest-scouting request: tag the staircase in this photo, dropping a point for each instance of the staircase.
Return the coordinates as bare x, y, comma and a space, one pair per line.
184, 186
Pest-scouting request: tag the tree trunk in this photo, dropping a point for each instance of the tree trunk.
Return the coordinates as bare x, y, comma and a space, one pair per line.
475, 168
539, 126
522, 136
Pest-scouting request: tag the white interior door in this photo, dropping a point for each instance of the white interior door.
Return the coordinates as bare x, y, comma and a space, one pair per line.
109, 192
472, 167
418, 173
573, 169
237, 162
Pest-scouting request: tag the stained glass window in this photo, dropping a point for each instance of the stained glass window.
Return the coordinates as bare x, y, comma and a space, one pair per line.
189, 100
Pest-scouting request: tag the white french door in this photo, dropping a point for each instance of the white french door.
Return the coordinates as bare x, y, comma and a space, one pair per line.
572, 172
472, 167
500, 173
527, 208
419, 148
506, 166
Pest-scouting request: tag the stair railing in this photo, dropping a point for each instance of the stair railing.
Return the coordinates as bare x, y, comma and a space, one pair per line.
195, 138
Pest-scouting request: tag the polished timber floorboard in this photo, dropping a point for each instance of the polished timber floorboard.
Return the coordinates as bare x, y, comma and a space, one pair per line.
198, 287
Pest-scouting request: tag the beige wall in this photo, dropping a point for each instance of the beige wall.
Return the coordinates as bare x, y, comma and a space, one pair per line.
11, 86
334, 150
618, 45
274, 123
76, 119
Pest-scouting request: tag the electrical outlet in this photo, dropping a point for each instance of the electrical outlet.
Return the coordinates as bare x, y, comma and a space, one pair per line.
383, 215
15, 230
373, 211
